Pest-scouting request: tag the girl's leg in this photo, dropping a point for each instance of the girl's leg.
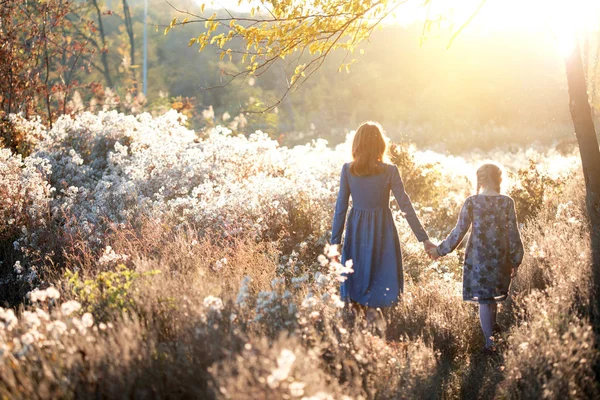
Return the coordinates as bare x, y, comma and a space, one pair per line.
495, 326
486, 318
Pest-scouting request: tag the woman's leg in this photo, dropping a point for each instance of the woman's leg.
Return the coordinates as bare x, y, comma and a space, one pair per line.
486, 318
376, 321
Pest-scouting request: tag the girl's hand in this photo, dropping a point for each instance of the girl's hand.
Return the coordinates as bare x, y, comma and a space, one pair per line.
433, 253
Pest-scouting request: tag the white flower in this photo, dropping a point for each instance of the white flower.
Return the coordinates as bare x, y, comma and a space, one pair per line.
69, 307
31, 319
297, 389
18, 268
284, 366
309, 301
87, 320
9, 319
37, 295
56, 328
27, 339
213, 303
52, 293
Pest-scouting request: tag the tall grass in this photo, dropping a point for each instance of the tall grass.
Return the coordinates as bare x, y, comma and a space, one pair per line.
197, 308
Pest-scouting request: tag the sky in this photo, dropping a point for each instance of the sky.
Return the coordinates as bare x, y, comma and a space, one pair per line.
562, 19
508, 14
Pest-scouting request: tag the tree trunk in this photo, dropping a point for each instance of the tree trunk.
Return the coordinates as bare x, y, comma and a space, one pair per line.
130, 34
585, 132
104, 49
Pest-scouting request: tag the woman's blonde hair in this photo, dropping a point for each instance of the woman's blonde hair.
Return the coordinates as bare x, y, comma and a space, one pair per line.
489, 175
368, 149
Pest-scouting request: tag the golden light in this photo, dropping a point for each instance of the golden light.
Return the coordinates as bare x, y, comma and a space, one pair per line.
565, 20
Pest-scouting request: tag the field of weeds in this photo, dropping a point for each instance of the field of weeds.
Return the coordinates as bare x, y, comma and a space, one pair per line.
140, 260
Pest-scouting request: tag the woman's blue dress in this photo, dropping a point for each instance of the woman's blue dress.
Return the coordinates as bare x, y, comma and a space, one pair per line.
371, 239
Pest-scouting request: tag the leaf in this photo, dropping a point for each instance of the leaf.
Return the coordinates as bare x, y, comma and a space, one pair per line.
192, 41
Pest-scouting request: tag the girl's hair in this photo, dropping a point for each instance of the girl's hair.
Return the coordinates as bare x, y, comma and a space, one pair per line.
368, 149
489, 175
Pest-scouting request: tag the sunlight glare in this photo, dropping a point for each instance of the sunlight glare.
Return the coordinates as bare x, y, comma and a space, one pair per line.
565, 20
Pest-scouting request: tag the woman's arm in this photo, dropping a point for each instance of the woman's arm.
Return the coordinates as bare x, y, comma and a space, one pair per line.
406, 206
515, 245
459, 231
341, 207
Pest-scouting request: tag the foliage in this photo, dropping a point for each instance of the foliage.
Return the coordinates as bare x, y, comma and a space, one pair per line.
280, 29
533, 189
236, 226
25, 195
35, 36
108, 293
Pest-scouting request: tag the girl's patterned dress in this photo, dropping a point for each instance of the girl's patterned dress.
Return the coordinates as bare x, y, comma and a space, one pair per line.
493, 249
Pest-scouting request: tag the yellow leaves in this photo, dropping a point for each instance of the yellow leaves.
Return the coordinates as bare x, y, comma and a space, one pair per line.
316, 27
192, 41
202, 8
300, 69
346, 66
225, 53
298, 72
171, 25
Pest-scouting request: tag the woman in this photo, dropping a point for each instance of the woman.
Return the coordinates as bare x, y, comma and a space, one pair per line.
371, 239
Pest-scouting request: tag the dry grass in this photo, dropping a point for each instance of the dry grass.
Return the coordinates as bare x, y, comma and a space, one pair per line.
268, 341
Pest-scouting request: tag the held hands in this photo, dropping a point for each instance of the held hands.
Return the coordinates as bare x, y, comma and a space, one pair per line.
431, 250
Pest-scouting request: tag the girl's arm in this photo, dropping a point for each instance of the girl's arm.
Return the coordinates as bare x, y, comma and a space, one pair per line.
459, 231
406, 206
515, 245
341, 207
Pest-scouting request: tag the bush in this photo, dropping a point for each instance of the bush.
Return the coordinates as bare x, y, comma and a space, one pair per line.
532, 189
107, 294
244, 303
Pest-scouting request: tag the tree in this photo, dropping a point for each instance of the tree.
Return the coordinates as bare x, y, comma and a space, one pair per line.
307, 32
581, 113
39, 56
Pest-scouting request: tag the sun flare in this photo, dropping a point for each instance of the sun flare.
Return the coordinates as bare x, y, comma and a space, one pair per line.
564, 20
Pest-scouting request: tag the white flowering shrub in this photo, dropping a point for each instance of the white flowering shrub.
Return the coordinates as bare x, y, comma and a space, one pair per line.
247, 301
24, 194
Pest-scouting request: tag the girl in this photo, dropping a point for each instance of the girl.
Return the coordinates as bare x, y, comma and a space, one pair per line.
494, 249
371, 239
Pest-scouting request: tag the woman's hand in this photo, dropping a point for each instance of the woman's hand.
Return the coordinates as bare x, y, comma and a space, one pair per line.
431, 249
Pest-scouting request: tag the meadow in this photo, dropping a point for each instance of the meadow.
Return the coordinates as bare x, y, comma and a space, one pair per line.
141, 259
